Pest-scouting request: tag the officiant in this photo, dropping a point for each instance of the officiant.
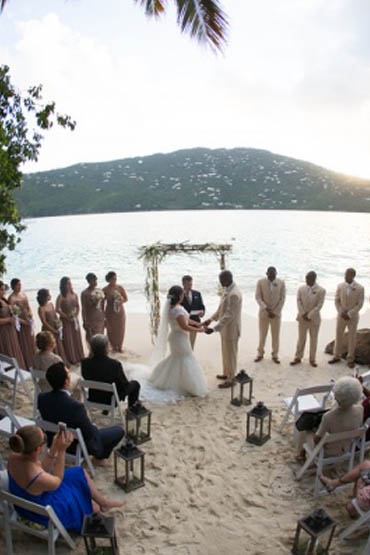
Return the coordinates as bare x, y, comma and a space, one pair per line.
193, 304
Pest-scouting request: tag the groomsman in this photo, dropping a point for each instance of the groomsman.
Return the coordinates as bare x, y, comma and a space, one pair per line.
270, 295
349, 299
228, 315
193, 303
310, 299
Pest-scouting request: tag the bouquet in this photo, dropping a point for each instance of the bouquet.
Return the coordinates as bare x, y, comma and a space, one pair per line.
117, 300
75, 319
17, 311
59, 327
97, 296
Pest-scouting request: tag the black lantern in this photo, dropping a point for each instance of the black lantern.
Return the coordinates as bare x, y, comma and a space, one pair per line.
242, 379
138, 425
133, 458
98, 526
259, 424
316, 524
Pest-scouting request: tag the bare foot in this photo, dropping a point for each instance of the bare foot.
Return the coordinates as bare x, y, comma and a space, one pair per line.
329, 483
100, 462
110, 504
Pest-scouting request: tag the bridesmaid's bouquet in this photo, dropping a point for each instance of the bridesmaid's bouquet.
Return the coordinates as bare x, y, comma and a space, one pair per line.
97, 296
117, 300
74, 312
59, 327
17, 311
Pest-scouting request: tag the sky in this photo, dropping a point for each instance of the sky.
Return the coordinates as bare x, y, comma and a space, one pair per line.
294, 79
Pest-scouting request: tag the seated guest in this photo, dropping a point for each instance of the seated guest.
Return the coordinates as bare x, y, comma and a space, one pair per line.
70, 492
360, 475
58, 406
45, 357
345, 416
100, 368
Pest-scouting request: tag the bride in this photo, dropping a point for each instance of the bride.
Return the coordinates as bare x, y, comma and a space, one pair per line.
180, 371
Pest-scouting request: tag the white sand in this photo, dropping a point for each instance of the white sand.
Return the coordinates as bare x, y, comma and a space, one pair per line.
208, 491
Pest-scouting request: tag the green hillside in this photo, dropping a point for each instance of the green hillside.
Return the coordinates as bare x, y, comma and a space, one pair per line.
197, 178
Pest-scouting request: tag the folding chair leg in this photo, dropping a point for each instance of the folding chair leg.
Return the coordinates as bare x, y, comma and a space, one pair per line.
354, 526
8, 530
51, 539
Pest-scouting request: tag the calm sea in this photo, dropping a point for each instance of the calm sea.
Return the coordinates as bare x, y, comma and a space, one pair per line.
294, 242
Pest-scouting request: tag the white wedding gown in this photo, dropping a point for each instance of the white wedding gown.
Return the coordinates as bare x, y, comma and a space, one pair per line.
177, 375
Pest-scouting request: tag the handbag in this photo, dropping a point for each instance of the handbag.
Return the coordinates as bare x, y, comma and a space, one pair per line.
310, 420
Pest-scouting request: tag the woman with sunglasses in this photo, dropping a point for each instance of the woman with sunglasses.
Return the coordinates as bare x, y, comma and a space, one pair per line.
70, 492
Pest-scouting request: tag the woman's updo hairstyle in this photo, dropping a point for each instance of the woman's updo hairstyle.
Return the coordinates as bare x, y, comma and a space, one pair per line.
174, 294
110, 275
42, 296
26, 440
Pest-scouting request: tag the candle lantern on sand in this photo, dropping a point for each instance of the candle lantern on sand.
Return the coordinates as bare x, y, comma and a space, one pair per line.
138, 425
133, 459
259, 424
99, 527
237, 398
316, 524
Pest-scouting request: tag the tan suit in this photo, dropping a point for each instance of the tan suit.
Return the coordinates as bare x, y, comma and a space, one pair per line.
270, 295
228, 316
350, 300
309, 301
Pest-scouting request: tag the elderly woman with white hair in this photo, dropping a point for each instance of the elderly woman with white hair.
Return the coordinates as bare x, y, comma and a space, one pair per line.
346, 415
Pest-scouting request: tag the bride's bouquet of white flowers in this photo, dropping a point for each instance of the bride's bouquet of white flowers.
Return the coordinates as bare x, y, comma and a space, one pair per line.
117, 300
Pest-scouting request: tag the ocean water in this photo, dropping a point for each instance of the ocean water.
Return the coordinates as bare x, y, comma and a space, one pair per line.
294, 242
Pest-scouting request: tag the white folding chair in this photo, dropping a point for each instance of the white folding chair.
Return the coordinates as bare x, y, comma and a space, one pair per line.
81, 454
365, 378
12, 386
12, 520
305, 399
37, 376
114, 405
10, 367
364, 518
316, 455
10, 422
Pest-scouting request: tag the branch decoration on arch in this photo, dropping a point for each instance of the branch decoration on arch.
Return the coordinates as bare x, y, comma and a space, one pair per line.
152, 255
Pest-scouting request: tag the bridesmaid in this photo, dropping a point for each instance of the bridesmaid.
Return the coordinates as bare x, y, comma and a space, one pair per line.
50, 321
9, 344
92, 307
19, 304
115, 316
68, 308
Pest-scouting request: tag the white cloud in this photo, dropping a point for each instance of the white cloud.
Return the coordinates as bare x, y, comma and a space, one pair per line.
294, 79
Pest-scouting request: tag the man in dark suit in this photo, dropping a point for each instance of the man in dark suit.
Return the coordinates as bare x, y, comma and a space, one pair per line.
193, 303
58, 406
100, 368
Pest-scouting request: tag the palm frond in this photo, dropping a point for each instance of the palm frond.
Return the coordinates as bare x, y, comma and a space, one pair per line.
152, 7
203, 19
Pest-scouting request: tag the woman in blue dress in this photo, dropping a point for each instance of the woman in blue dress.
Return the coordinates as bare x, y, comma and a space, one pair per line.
71, 492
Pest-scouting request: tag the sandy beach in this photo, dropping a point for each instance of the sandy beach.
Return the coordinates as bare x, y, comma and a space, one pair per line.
208, 491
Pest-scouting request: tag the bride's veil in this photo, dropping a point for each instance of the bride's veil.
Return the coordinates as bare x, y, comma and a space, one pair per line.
159, 351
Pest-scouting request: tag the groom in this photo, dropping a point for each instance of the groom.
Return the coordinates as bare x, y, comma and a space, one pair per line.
228, 316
